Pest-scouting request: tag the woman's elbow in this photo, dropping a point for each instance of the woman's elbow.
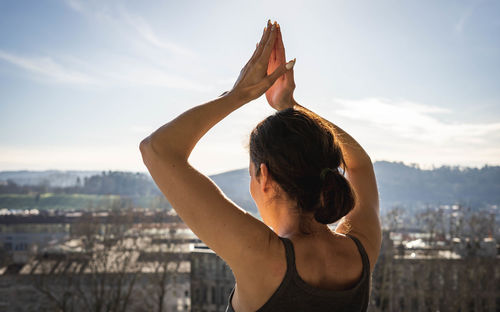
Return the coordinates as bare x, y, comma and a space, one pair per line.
148, 151
149, 146
151, 151
145, 150
145, 146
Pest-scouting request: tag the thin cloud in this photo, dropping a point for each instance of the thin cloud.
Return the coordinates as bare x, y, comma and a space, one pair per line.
147, 33
466, 15
134, 73
143, 63
121, 18
46, 67
126, 72
75, 5
415, 121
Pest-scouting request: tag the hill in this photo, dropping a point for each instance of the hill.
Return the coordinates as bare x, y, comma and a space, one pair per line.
399, 185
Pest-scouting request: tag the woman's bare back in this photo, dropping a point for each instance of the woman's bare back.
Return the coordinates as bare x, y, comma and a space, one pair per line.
330, 262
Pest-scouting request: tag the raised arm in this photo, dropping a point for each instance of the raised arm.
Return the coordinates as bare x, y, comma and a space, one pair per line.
363, 221
233, 234
364, 218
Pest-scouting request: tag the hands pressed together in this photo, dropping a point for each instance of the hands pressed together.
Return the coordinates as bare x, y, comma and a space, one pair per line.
267, 72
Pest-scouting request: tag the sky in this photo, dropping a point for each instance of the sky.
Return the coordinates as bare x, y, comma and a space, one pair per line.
83, 82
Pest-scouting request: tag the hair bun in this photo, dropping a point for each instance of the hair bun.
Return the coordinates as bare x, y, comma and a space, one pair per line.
325, 171
295, 145
336, 198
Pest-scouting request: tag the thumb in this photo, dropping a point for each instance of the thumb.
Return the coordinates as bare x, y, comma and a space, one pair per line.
278, 72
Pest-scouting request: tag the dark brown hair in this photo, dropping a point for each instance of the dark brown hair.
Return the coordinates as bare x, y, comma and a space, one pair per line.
296, 146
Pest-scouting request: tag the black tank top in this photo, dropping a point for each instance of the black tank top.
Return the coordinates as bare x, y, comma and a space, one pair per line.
294, 294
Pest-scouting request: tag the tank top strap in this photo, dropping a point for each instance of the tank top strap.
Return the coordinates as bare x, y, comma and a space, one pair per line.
290, 255
362, 251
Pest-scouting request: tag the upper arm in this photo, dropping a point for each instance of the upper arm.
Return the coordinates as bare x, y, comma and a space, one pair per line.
364, 221
235, 235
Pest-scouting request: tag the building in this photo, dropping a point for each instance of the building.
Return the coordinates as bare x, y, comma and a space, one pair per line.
211, 281
437, 278
119, 269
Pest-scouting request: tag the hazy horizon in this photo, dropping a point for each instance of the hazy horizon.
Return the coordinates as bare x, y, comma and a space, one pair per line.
83, 82
246, 168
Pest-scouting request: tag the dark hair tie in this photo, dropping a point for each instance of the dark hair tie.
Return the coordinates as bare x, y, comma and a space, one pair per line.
325, 171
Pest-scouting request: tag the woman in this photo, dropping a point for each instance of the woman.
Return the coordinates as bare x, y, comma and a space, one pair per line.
292, 261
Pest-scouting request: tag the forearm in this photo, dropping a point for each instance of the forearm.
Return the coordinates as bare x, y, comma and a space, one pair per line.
354, 155
178, 137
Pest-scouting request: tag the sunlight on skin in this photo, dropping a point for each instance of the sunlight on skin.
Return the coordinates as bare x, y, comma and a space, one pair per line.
280, 95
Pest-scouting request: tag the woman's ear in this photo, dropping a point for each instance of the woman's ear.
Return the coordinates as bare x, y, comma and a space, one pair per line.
264, 178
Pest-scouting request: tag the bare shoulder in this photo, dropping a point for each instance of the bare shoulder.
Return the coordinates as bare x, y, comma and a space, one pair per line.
363, 221
371, 245
327, 263
256, 284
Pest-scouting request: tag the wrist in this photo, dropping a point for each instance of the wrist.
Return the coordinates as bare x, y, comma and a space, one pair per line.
286, 104
234, 97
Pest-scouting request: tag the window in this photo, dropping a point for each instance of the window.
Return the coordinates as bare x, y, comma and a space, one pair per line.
471, 305
414, 304
401, 304
222, 295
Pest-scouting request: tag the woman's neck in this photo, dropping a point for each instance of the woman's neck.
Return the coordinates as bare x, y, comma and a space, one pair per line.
287, 222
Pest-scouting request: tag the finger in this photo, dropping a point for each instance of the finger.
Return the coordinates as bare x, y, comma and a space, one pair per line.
272, 64
265, 37
280, 52
252, 57
255, 51
289, 77
278, 72
266, 52
259, 46
266, 31
280, 48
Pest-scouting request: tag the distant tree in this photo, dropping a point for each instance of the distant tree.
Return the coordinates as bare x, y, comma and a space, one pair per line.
393, 219
164, 267
102, 275
431, 220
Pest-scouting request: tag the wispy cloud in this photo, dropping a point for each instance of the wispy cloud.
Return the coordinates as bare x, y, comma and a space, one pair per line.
46, 67
147, 33
121, 18
401, 130
415, 121
466, 15
75, 5
142, 68
135, 73
126, 72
